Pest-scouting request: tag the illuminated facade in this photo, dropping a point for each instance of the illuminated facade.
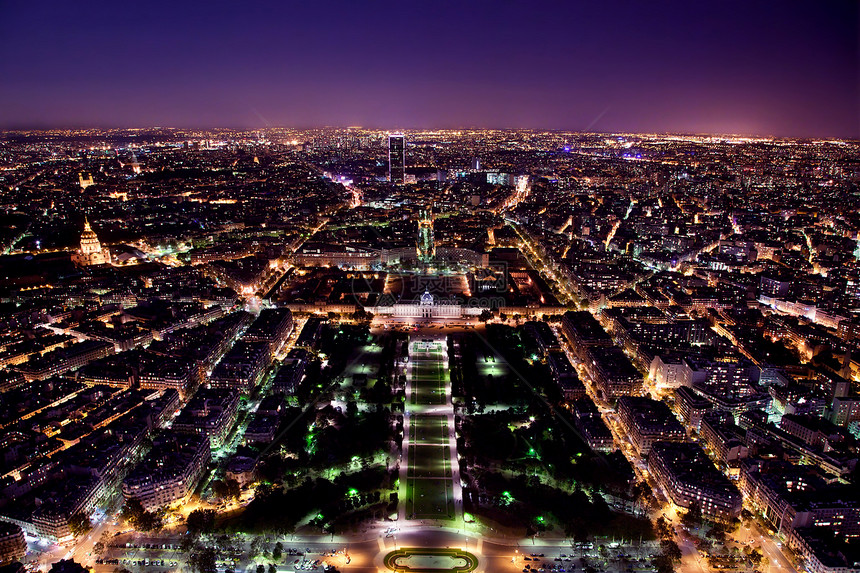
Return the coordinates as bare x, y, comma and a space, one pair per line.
13, 547
170, 472
427, 306
91, 251
85, 179
689, 477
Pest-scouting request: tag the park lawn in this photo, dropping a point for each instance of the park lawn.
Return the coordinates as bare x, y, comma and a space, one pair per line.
429, 462
430, 499
428, 430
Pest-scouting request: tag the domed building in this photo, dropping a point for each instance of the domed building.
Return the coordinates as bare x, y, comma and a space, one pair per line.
91, 251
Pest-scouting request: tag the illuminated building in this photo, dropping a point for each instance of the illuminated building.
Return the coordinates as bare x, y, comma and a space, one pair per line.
289, 376
648, 421
396, 158
62, 360
273, 327
324, 255
170, 471
688, 476
168, 374
428, 306
242, 367
212, 413
691, 406
91, 251
12, 544
85, 179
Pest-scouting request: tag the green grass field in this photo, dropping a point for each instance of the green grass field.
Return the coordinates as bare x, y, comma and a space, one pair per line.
429, 462
428, 430
430, 499
428, 384
429, 487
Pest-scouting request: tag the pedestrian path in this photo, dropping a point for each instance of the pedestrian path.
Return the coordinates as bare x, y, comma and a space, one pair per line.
430, 480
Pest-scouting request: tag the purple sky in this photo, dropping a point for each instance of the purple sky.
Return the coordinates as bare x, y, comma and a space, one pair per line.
752, 66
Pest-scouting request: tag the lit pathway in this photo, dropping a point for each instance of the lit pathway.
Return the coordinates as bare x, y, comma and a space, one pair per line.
430, 488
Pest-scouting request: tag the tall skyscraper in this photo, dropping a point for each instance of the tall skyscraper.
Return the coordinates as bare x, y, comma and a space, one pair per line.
396, 157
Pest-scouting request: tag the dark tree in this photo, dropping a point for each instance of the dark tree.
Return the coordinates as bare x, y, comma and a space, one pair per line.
664, 564
351, 409
201, 521
258, 546
187, 544
134, 513
717, 532
671, 550
203, 560
664, 530
79, 524
756, 557
693, 517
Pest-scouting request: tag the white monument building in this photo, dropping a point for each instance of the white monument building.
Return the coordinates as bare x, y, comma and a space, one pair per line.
428, 306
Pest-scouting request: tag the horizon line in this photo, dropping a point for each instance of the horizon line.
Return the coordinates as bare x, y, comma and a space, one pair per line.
4, 130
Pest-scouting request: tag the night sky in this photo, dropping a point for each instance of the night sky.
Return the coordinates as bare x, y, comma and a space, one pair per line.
748, 67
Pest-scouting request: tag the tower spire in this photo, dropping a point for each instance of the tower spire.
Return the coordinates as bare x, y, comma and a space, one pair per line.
426, 243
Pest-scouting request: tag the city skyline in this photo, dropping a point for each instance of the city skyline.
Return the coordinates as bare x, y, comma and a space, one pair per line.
255, 351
